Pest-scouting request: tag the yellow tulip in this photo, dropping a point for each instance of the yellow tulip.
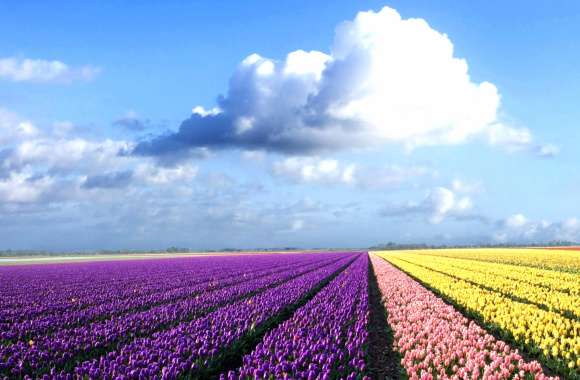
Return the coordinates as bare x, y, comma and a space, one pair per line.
531, 294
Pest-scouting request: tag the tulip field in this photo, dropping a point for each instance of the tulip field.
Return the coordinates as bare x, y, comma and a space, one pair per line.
196, 317
450, 314
530, 299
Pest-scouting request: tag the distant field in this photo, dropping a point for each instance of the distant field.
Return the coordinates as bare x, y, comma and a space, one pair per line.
574, 248
80, 258
18, 260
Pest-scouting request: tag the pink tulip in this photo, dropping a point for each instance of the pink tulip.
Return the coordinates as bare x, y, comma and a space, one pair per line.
434, 339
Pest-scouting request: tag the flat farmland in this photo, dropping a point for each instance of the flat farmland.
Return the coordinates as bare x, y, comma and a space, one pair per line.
177, 317
424, 314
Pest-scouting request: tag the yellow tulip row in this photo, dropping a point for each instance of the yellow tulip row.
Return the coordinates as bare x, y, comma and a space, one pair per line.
553, 279
550, 336
495, 276
563, 260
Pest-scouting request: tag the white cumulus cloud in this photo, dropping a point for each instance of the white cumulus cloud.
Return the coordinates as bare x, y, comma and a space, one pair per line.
385, 80
44, 71
314, 170
23, 188
13, 128
519, 139
521, 229
460, 186
439, 204
52, 165
324, 171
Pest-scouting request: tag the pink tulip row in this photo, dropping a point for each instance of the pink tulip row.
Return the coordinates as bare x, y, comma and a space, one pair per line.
436, 341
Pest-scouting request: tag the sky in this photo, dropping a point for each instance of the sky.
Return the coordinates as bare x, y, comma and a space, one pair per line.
297, 123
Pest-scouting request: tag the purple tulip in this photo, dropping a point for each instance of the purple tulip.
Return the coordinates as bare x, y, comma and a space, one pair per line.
326, 338
55, 317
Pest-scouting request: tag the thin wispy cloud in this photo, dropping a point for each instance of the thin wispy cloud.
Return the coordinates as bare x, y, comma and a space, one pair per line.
44, 71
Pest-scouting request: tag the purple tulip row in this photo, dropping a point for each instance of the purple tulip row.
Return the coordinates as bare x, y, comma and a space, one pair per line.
50, 288
68, 346
51, 295
30, 329
324, 339
190, 349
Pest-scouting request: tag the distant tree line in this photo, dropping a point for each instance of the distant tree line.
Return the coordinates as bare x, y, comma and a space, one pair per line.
402, 246
177, 250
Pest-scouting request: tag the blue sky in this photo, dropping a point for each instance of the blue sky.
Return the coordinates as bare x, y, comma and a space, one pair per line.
458, 128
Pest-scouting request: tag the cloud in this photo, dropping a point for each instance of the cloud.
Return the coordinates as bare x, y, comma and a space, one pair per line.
73, 154
54, 182
314, 170
23, 188
44, 71
63, 128
54, 166
519, 228
439, 204
325, 171
518, 140
385, 80
112, 180
132, 122
161, 175
547, 150
13, 128
464, 187
515, 221
379, 177
253, 155
297, 225
513, 139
